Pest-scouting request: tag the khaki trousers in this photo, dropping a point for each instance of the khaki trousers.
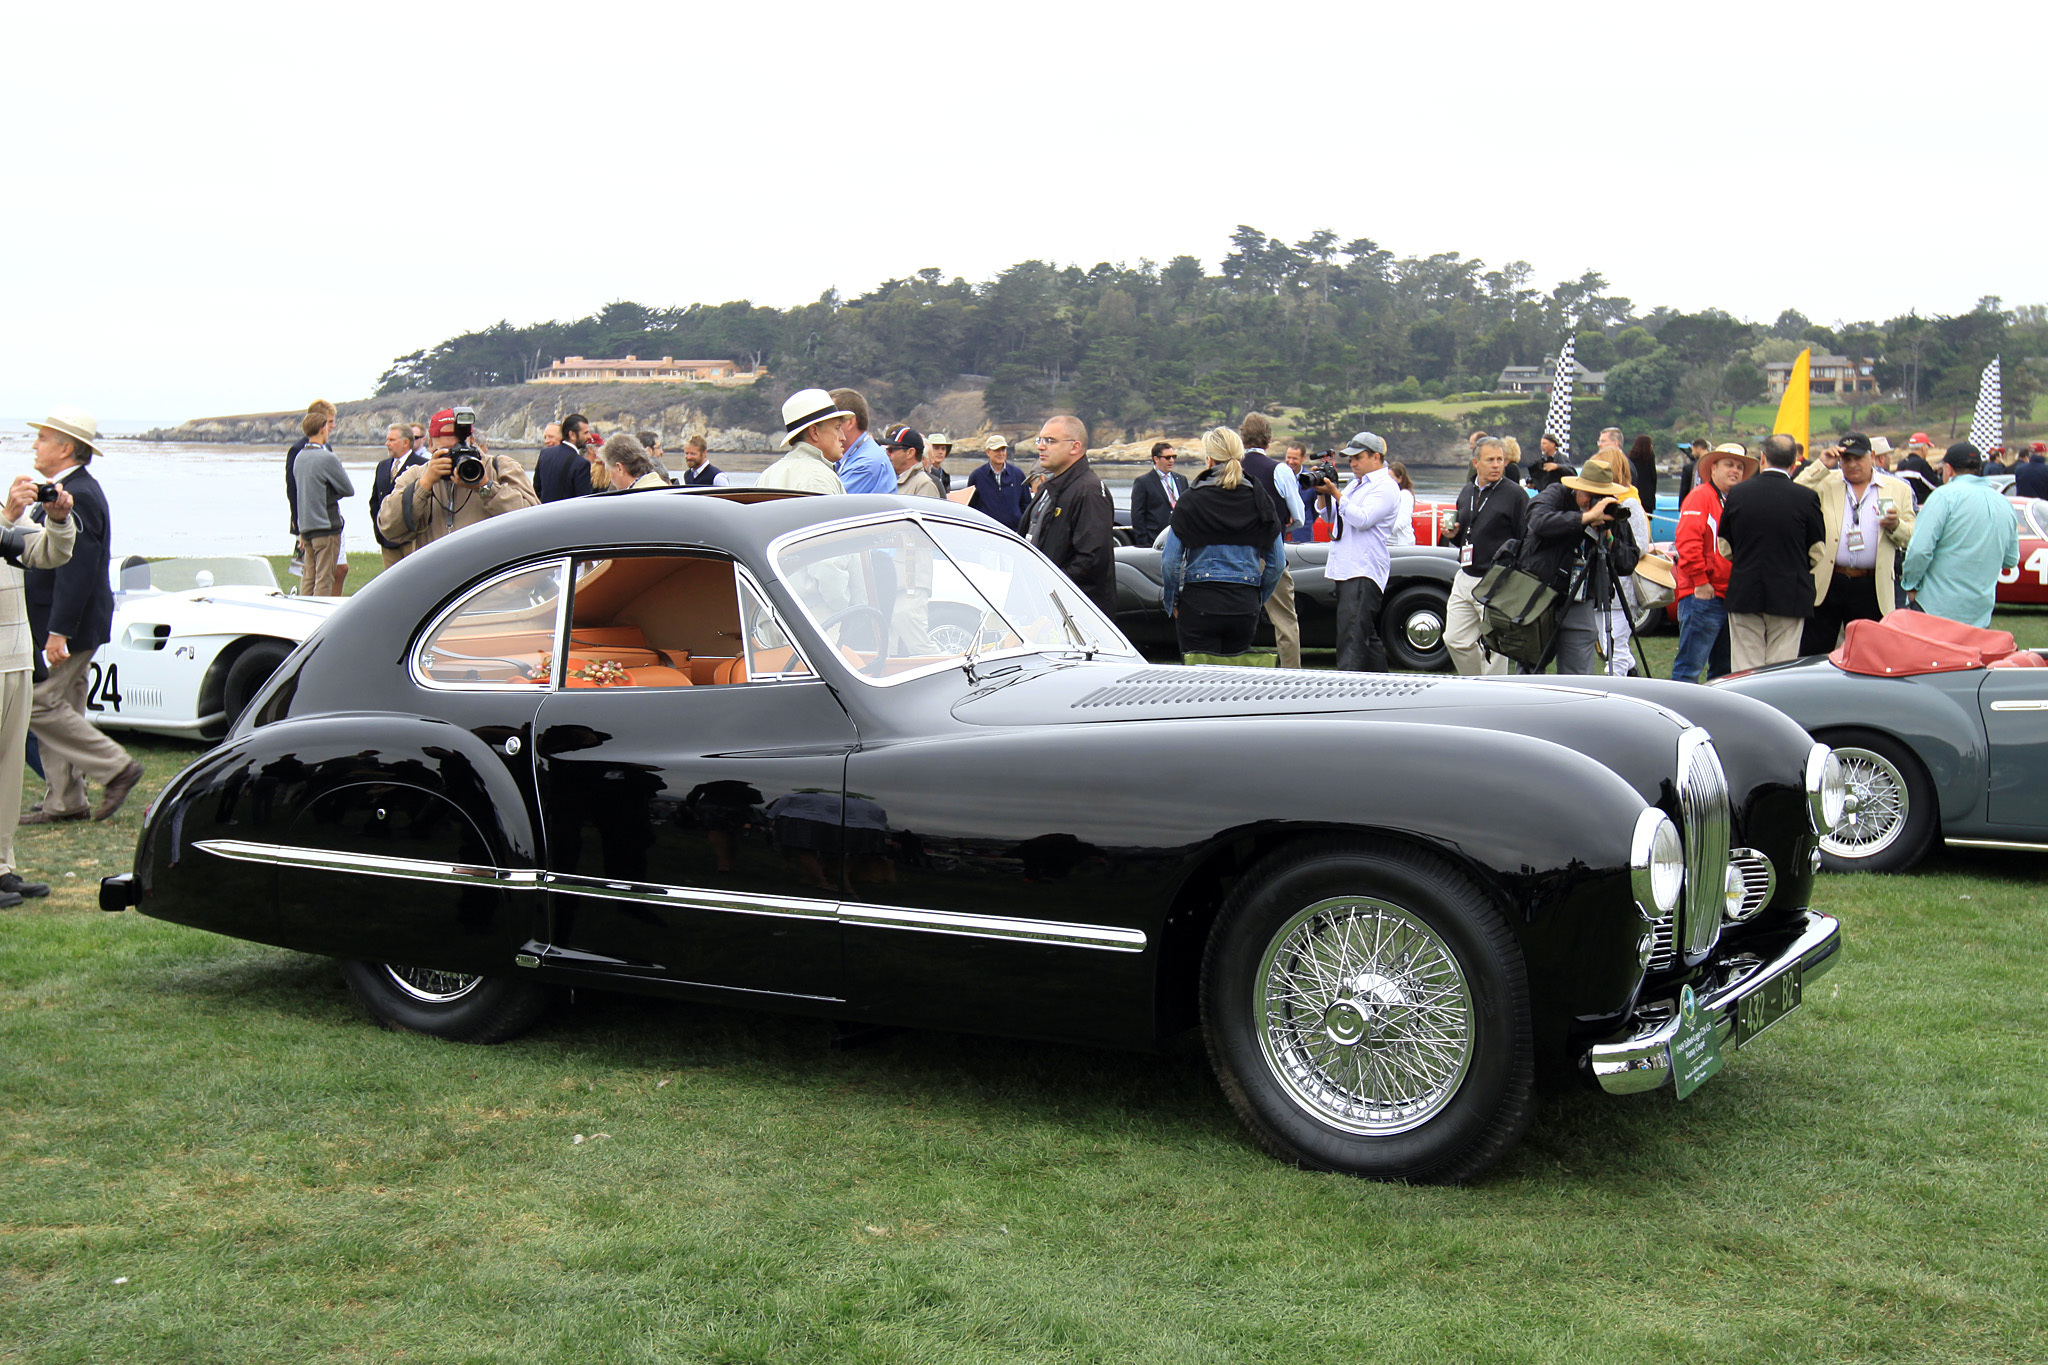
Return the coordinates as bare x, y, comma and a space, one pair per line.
322, 552
392, 556
1755, 639
74, 749
1286, 625
1464, 620
14, 706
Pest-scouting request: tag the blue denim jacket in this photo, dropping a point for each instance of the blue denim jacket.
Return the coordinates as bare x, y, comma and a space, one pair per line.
1219, 564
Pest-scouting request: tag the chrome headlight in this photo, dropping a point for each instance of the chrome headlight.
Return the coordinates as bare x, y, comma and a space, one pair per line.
1657, 863
1827, 792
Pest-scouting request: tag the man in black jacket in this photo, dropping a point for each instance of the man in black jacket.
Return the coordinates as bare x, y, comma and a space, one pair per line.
1769, 526
1154, 495
562, 471
399, 456
1071, 518
71, 612
1492, 511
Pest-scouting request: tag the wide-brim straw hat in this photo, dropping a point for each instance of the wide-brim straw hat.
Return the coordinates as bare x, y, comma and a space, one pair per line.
1750, 463
76, 423
1596, 478
1657, 569
806, 408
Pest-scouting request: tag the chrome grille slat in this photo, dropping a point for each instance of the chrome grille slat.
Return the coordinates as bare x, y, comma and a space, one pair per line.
1759, 879
1703, 800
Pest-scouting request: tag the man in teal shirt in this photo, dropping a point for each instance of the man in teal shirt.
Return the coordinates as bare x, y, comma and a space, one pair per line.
1965, 538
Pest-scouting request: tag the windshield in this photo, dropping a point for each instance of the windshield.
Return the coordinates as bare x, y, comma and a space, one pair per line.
900, 598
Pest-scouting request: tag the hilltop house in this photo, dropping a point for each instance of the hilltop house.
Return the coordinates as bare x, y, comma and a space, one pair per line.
576, 369
1829, 374
1539, 378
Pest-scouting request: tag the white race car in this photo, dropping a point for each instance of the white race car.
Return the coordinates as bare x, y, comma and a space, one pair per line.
193, 640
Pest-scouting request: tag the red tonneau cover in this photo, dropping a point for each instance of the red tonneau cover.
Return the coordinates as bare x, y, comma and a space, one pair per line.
1908, 642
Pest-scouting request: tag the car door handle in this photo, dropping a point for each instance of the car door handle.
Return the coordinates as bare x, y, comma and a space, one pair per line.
2019, 705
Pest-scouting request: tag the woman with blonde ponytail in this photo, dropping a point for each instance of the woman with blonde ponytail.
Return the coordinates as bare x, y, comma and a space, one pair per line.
1223, 553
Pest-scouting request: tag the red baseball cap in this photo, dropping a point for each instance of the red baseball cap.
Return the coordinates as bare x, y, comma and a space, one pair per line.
1920, 439
443, 423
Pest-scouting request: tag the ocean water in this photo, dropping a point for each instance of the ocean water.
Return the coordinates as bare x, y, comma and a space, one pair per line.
172, 499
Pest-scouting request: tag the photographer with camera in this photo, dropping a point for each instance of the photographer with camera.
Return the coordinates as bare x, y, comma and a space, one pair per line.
461, 485
1361, 517
1577, 540
33, 547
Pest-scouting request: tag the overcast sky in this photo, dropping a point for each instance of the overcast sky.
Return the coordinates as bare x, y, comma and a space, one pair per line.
238, 207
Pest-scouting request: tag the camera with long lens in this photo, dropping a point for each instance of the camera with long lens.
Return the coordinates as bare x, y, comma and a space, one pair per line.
469, 461
1322, 472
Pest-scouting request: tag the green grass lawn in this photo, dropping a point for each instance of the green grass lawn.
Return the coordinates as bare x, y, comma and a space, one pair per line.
207, 1153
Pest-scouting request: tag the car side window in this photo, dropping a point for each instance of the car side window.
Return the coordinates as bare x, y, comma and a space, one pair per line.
502, 635
663, 621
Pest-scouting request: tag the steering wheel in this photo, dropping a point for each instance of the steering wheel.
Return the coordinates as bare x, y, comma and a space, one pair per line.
873, 670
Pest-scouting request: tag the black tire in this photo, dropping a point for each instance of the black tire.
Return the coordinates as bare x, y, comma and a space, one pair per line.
1896, 814
1453, 1077
246, 676
451, 1005
1412, 625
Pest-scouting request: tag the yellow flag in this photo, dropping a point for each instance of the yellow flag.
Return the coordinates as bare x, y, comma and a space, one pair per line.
1795, 409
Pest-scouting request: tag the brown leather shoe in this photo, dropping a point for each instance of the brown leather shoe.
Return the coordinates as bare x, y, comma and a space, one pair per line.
117, 789
47, 817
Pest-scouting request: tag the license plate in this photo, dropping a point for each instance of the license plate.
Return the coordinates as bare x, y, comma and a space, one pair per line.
1769, 1003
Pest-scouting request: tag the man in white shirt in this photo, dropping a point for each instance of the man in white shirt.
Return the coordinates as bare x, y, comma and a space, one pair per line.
1359, 562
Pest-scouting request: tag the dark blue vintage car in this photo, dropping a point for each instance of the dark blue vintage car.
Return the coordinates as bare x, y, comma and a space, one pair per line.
1941, 730
877, 760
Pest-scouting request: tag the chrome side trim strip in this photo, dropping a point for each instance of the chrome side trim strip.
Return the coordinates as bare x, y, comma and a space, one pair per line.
693, 898
374, 864
1103, 937
2019, 706
995, 926
2014, 844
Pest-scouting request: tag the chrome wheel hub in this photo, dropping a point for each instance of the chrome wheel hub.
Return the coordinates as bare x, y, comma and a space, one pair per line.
1365, 1015
1874, 815
1424, 629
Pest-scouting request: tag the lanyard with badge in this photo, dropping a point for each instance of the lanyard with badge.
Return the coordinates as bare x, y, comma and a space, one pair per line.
1852, 534
1478, 507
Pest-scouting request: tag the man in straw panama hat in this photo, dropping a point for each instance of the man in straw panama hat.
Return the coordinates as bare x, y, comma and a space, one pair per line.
1701, 581
814, 428
71, 614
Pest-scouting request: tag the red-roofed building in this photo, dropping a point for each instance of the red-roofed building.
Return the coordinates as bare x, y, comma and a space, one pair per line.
576, 369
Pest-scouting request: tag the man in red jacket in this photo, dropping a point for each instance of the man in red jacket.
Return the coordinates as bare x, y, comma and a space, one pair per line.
1702, 572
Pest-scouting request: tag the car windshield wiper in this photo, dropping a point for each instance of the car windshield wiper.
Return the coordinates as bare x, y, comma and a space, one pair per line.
1080, 637
974, 645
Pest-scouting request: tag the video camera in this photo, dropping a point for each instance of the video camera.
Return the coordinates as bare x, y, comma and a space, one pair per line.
469, 461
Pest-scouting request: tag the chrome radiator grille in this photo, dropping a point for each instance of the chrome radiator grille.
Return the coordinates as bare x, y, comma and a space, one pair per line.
1703, 799
1704, 825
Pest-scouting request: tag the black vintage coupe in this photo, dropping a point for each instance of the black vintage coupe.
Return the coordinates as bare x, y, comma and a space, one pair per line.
1412, 609
875, 759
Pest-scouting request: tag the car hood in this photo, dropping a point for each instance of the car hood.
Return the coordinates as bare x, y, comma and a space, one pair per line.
229, 610
1099, 691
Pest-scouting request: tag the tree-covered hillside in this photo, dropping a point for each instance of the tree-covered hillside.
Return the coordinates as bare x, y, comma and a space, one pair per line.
1336, 328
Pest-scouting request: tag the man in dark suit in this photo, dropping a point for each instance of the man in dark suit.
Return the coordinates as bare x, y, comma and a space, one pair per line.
562, 470
1155, 495
71, 611
1769, 526
399, 456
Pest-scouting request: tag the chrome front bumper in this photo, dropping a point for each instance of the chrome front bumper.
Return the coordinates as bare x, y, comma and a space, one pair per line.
1736, 1009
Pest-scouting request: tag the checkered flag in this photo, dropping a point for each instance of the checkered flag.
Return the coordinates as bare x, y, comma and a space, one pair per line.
1987, 429
1558, 425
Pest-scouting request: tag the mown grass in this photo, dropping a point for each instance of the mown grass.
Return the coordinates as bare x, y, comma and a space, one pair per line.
206, 1153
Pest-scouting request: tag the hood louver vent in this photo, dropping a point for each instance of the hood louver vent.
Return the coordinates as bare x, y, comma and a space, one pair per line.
1153, 687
